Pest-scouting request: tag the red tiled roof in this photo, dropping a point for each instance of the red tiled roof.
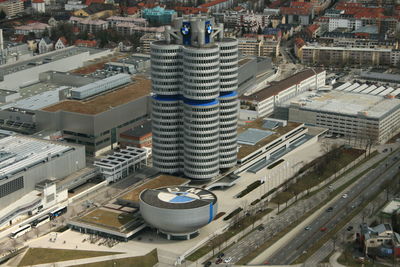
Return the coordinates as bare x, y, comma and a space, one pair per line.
87, 43
212, 3
63, 40
37, 1
238, 8
312, 28
295, 11
299, 42
132, 10
89, 2
190, 10
301, 4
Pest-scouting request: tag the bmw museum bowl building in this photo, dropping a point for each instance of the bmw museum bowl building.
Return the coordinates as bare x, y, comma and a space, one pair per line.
178, 212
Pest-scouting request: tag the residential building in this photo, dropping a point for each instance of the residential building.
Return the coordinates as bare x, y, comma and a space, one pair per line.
159, 16
264, 102
129, 28
338, 55
12, 7
147, 39
298, 13
218, 5
61, 43
259, 45
96, 11
194, 106
37, 28
38, 6
72, 5
45, 45
380, 240
89, 25
86, 43
113, 21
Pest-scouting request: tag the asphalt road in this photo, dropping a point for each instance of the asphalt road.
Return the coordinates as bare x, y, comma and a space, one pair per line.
364, 188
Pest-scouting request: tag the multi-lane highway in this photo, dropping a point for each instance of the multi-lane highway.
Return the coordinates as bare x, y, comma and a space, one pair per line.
365, 187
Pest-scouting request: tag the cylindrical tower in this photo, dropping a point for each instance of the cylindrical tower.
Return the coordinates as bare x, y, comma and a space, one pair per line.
201, 139
228, 102
166, 108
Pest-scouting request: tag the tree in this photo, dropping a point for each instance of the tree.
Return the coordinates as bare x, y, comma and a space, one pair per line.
259, 30
3, 14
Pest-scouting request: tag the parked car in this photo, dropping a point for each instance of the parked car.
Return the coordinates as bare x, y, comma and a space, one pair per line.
323, 229
349, 228
329, 209
307, 228
345, 196
228, 260
221, 255
218, 261
208, 263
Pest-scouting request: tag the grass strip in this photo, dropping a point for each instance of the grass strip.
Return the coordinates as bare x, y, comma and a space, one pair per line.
217, 241
279, 235
249, 188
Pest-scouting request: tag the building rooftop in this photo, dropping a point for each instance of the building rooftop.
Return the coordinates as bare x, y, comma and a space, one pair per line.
18, 153
139, 88
106, 218
138, 131
346, 103
391, 207
247, 149
159, 181
276, 87
45, 58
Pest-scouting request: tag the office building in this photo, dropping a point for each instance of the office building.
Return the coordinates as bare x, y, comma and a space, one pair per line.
194, 108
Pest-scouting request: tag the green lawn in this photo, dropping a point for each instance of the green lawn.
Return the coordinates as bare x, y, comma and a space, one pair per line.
47, 255
148, 260
315, 177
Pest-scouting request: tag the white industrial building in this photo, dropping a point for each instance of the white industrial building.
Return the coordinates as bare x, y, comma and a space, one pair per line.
262, 103
122, 163
372, 117
29, 169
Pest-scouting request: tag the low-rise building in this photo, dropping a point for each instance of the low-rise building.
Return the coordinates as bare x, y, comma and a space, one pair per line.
37, 28
45, 45
159, 16
298, 13
96, 11
139, 136
113, 21
259, 45
12, 7
129, 28
262, 103
380, 240
61, 43
89, 25
218, 5
147, 39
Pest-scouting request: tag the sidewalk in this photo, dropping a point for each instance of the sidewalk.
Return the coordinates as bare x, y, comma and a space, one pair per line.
294, 232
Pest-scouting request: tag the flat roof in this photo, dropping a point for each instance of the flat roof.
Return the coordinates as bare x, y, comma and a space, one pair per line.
47, 57
277, 87
392, 206
18, 153
139, 88
381, 76
245, 150
252, 136
160, 181
347, 103
108, 218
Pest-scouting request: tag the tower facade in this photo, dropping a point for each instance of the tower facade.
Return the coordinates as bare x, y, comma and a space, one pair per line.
194, 105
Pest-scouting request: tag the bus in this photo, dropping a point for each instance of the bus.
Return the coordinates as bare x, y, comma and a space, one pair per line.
38, 222
21, 231
58, 212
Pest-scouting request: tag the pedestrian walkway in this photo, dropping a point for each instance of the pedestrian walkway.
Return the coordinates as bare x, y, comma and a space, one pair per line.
315, 200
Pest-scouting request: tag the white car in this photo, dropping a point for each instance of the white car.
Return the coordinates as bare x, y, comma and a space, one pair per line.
228, 260
345, 196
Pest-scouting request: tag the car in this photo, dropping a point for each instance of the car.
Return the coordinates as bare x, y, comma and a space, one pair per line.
208, 263
218, 261
307, 228
228, 260
345, 196
349, 228
260, 228
329, 209
221, 255
385, 150
323, 229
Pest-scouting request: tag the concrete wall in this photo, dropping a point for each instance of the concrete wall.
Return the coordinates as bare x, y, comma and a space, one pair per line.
58, 167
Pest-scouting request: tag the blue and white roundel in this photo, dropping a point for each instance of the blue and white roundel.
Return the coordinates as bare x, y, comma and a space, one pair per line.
185, 30
177, 197
209, 29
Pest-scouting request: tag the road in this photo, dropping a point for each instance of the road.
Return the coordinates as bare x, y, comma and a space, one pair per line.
278, 223
363, 189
